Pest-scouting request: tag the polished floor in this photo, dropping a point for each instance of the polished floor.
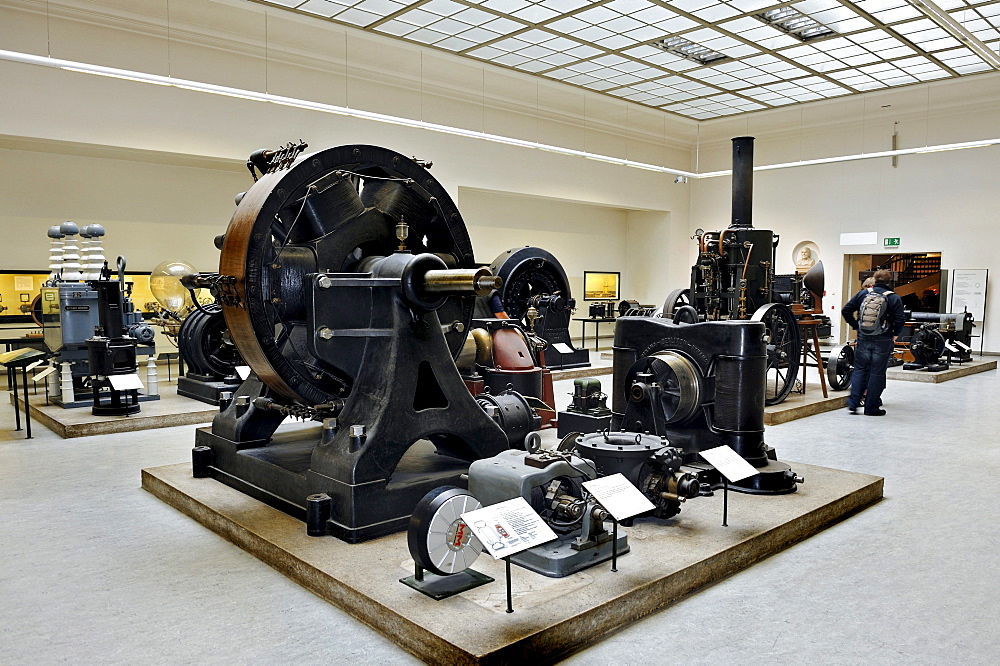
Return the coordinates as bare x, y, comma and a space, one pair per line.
95, 570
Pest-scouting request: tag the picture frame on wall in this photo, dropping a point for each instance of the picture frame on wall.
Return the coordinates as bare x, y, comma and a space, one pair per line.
601, 286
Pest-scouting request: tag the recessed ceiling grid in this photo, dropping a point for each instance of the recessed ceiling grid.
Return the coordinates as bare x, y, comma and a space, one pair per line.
696, 58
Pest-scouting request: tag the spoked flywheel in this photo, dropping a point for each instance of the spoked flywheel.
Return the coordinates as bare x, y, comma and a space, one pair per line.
784, 350
332, 211
839, 366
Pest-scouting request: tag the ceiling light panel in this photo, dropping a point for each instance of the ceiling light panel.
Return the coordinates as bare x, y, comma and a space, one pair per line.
698, 58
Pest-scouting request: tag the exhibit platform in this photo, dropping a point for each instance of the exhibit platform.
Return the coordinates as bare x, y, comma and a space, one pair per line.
801, 405
170, 410
954, 372
552, 616
598, 366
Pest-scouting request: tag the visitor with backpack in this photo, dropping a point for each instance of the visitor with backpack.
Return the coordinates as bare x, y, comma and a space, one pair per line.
876, 313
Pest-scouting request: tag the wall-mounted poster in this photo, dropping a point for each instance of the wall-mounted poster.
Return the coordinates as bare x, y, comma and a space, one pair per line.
601, 286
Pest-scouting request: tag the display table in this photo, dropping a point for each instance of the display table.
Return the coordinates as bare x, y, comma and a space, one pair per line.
597, 329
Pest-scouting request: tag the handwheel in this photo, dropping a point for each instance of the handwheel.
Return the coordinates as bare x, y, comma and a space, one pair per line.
675, 299
839, 366
784, 350
438, 538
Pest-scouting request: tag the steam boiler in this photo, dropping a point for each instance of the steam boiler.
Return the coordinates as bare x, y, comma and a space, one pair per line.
733, 280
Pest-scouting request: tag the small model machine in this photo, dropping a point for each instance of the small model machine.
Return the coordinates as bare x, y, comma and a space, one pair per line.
347, 283
90, 322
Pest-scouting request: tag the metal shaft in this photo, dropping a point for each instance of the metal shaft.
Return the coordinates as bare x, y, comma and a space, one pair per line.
461, 280
742, 182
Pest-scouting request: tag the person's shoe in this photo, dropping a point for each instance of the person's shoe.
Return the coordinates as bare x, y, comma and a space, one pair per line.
877, 412
852, 410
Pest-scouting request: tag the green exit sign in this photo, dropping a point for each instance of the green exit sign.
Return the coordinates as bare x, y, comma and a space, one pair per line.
890, 242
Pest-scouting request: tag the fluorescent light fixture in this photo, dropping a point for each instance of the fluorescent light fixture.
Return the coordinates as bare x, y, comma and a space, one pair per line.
863, 156
790, 20
956, 30
685, 48
196, 86
252, 95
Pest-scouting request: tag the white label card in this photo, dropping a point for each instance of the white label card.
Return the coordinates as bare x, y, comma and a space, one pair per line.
508, 527
562, 347
729, 463
35, 364
950, 347
963, 345
38, 376
243, 371
617, 494
125, 382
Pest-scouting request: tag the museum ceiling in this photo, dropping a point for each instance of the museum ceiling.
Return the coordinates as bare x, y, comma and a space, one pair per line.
699, 59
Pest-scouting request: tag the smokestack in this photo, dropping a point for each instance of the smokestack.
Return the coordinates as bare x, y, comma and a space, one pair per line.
742, 182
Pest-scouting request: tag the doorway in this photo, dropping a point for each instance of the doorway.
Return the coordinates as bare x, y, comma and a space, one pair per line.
917, 277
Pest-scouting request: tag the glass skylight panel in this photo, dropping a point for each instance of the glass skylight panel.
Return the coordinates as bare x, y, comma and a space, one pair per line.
455, 44
511, 59
442, 7
321, 8
715, 13
558, 59
533, 66
653, 15
487, 52
380, 7
535, 14
691, 6
583, 51
568, 25
418, 17
503, 25
616, 42
564, 6
898, 14
426, 35
357, 17
476, 35
592, 33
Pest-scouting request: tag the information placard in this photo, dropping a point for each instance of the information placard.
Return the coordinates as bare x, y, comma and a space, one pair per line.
125, 382
42, 374
618, 496
243, 371
508, 527
729, 463
968, 291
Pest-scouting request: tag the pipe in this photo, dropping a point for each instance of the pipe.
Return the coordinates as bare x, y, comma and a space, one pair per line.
742, 183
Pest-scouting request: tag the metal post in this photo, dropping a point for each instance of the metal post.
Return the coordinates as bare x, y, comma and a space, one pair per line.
510, 599
614, 545
27, 407
725, 502
418, 572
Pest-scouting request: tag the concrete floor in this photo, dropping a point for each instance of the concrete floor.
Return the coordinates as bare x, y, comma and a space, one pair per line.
94, 570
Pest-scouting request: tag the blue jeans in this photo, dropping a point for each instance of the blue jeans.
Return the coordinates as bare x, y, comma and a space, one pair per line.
871, 358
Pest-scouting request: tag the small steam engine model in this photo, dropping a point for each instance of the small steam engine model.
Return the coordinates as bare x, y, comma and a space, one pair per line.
700, 385
803, 293
588, 412
534, 278
347, 282
733, 279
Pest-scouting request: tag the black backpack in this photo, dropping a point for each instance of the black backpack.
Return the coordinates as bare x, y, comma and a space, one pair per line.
873, 313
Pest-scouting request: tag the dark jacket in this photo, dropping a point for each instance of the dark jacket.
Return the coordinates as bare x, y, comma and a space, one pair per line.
895, 312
